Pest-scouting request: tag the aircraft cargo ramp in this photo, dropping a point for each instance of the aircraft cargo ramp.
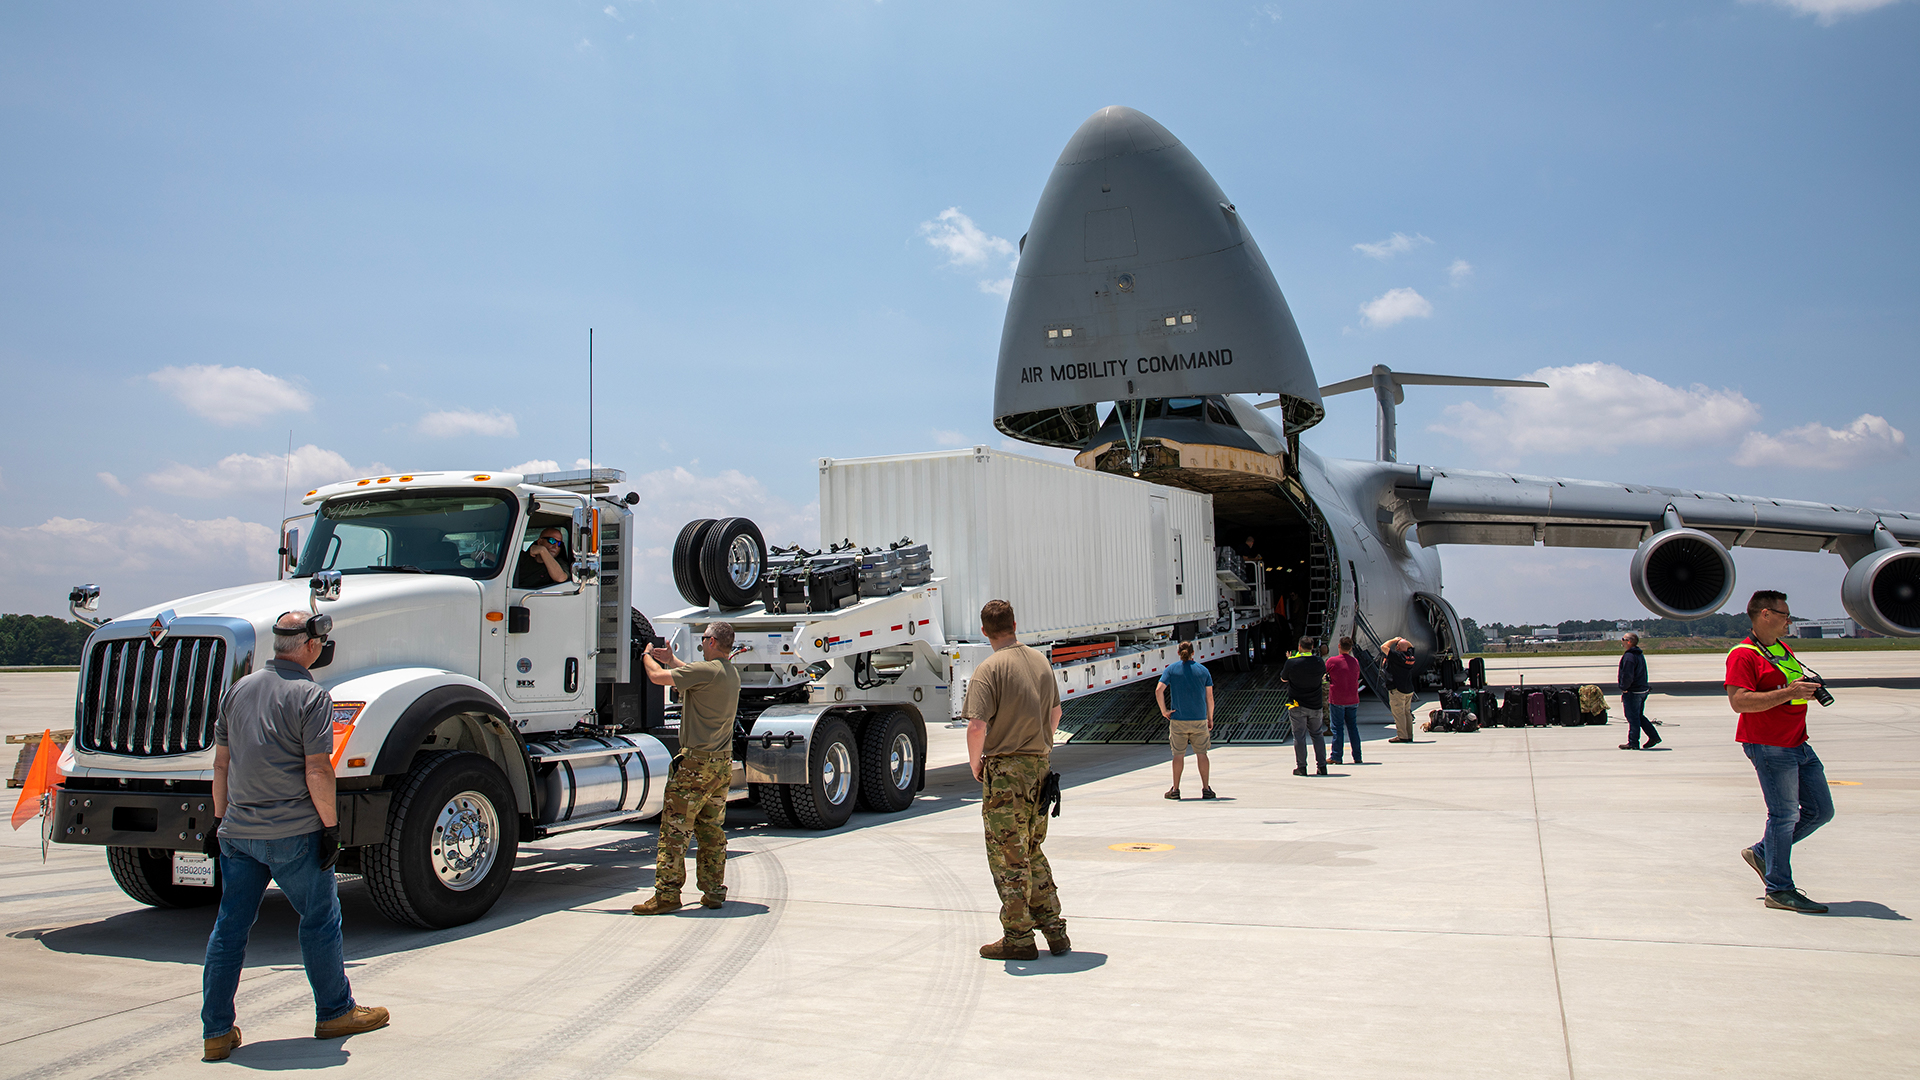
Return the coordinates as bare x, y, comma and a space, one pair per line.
1248, 707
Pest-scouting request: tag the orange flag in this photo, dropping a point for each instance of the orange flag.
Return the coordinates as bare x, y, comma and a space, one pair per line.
40, 780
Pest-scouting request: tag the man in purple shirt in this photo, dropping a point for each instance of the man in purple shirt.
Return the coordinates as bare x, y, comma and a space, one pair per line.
1343, 700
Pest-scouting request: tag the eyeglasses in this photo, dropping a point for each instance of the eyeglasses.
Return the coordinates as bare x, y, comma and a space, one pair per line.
706, 637
1777, 611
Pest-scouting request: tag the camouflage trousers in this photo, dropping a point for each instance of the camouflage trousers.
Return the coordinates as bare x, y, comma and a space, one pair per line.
696, 804
1016, 827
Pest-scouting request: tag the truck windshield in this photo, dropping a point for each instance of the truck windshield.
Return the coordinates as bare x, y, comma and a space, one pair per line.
429, 532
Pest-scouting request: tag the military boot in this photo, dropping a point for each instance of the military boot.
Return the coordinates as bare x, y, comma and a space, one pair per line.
713, 899
1005, 950
660, 904
1057, 942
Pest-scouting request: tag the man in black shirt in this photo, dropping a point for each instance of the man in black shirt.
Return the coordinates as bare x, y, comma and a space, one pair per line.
546, 562
1398, 664
1306, 675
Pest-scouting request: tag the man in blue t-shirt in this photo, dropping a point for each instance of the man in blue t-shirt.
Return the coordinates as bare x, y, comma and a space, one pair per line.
1190, 717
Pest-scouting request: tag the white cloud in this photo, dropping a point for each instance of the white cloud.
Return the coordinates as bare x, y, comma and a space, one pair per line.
253, 474
112, 482
612, 14
1397, 244
1395, 305
231, 395
455, 423
669, 498
1828, 12
145, 558
1618, 407
950, 438
969, 247
537, 465
1815, 446
1459, 271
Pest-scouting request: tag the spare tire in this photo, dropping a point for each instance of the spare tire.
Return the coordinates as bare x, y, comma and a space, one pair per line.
686, 562
733, 559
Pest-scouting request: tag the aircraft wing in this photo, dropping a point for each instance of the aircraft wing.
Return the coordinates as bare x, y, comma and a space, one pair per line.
1455, 506
1681, 566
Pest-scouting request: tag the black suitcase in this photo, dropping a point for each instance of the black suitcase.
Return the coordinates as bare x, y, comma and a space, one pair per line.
1450, 700
1566, 702
1514, 712
831, 583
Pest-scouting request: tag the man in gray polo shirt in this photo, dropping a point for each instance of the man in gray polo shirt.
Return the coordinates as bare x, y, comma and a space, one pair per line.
274, 819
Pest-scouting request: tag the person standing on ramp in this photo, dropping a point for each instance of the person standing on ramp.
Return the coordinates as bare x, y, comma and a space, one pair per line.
1012, 710
697, 794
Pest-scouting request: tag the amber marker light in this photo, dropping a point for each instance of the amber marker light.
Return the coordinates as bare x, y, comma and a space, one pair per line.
315, 491
406, 479
496, 616
483, 476
356, 763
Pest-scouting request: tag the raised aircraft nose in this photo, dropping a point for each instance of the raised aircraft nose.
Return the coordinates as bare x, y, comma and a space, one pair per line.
1138, 279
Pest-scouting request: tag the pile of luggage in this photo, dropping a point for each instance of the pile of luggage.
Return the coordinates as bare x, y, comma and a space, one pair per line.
798, 581
1519, 706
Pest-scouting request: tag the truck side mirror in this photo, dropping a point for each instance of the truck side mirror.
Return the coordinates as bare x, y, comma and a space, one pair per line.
583, 538
82, 599
325, 585
586, 569
290, 550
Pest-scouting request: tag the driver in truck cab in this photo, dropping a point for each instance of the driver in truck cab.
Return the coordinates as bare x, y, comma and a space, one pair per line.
545, 562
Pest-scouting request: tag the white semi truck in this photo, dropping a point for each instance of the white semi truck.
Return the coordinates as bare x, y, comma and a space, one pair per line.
476, 708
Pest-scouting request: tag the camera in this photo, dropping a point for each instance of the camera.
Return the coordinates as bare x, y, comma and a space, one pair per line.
1820, 692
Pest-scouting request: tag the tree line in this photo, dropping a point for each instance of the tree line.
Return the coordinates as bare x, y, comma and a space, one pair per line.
41, 640
1713, 626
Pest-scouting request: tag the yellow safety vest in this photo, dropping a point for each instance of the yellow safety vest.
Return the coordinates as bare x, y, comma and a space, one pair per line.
1784, 660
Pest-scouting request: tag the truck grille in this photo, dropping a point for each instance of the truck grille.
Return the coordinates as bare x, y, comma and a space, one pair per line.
148, 701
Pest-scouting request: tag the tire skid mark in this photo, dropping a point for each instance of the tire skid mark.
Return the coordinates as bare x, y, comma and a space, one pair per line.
951, 994
655, 1026
250, 1004
547, 986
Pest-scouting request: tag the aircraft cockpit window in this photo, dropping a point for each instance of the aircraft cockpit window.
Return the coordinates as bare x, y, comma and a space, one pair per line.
1218, 414
1185, 408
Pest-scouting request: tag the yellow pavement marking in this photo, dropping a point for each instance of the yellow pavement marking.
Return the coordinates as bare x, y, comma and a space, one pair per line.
1843, 783
1139, 847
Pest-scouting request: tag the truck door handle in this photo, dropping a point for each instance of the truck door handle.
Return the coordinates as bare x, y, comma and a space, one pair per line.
573, 674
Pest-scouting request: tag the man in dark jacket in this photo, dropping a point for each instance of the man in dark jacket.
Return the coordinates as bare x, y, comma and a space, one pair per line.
1306, 675
1633, 695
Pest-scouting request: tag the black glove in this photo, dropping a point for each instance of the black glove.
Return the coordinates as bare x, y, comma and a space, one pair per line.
210, 840
329, 847
1050, 793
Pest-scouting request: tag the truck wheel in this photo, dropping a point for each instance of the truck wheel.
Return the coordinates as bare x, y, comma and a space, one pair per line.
890, 763
686, 562
146, 874
733, 558
826, 800
772, 800
450, 843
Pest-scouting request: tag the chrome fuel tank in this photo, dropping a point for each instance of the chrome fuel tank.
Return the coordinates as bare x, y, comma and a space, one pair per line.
597, 776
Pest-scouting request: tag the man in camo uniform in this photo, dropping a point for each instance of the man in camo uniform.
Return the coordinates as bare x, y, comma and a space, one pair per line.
697, 794
1012, 709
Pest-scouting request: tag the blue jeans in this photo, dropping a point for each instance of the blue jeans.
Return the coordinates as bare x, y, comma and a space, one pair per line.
293, 863
1794, 784
1349, 716
1634, 704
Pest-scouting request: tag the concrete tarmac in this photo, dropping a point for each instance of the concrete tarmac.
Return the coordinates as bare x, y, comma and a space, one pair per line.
1512, 903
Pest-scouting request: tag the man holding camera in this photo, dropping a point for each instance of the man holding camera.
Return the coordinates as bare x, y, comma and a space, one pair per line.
275, 819
1769, 689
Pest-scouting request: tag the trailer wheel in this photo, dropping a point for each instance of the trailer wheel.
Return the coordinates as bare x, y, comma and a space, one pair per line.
890, 762
146, 874
733, 558
826, 800
686, 562
450, 843
772, 800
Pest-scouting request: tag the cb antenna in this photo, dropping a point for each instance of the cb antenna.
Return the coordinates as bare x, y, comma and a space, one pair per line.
286, 482
589, 411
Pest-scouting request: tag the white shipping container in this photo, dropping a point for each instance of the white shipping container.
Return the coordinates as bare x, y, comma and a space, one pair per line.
1077, 553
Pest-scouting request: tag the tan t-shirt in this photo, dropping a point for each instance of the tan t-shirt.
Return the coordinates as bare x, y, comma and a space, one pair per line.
1015, 693
709, 701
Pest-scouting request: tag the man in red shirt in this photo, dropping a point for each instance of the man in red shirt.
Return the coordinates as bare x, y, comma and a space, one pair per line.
1768, 688
1343, 700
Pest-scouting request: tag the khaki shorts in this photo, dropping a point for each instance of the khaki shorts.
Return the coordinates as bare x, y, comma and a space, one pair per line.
1189, 733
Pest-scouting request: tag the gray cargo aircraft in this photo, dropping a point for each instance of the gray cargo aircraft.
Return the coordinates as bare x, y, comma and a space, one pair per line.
1140, 290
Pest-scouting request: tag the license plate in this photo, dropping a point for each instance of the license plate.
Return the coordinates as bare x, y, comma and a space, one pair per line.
193, 868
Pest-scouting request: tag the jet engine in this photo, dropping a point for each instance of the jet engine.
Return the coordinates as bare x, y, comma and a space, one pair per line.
1882, 591
1682, 573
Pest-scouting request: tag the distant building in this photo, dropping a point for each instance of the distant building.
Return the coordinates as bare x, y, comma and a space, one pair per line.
1825, 628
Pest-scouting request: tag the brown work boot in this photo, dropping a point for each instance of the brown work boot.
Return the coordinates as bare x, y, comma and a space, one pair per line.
1057, 942
713, 899
1006, 950
660, 904
361, 1018
220, 1046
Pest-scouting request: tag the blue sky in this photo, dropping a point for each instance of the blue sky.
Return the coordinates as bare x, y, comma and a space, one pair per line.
387, 228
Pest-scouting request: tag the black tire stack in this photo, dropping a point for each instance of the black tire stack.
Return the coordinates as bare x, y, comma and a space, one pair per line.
719, 562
